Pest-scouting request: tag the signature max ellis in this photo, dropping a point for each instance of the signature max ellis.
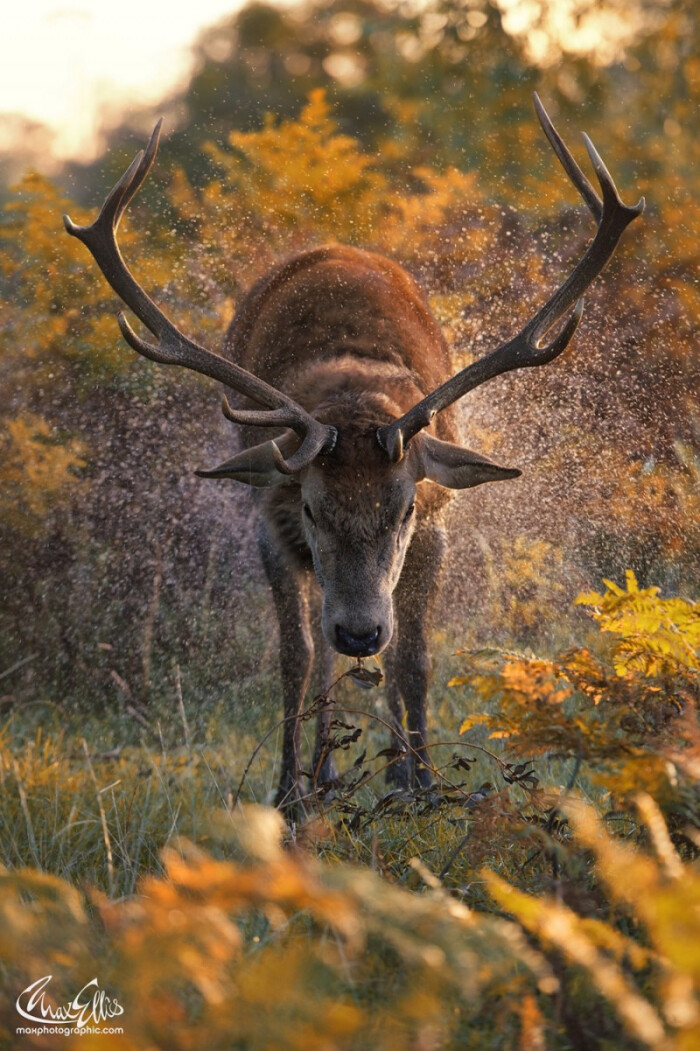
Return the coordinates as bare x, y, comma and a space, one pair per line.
90, 1006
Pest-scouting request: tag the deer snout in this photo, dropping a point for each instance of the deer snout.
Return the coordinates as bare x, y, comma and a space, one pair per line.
358, 645
358, 616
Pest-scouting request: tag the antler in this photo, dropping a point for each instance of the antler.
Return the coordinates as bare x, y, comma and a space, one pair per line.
525, 349
174, 348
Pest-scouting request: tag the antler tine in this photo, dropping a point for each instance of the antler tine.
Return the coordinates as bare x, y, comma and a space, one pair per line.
173, 347
525, 350
281, 417
141, 165
567, 161
311, 445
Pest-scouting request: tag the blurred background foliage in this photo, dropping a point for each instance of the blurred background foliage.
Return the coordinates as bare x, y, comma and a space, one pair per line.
131, 591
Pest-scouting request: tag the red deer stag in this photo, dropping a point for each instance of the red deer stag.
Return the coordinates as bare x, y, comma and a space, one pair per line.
338, 350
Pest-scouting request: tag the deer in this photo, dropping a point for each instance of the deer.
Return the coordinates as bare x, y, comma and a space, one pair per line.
337, 353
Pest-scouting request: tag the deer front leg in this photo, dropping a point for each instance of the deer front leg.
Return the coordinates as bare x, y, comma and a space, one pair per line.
411, 662
398, 773
289, 591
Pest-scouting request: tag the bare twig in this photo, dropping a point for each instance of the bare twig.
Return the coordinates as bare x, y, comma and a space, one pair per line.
136, 714
121, 684
19, 664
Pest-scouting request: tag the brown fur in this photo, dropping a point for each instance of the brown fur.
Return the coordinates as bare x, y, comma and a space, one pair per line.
339, 313
349, 335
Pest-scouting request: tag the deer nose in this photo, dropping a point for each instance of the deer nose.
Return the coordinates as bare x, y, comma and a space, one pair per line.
357, 645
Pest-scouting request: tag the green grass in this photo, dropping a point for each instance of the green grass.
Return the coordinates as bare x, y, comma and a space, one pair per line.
94, 797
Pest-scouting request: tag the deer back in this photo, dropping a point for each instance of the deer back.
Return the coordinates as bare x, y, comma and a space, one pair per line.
338, 320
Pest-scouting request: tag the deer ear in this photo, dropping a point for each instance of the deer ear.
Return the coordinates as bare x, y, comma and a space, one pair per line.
259, 465
454, 467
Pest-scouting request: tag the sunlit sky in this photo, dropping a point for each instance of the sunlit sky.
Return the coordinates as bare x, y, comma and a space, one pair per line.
61, 61
68, 63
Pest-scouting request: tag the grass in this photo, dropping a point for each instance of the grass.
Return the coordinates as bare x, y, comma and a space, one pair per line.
407, 916
93, 798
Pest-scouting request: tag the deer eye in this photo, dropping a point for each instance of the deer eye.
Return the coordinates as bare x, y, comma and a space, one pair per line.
409, 511
309, 516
